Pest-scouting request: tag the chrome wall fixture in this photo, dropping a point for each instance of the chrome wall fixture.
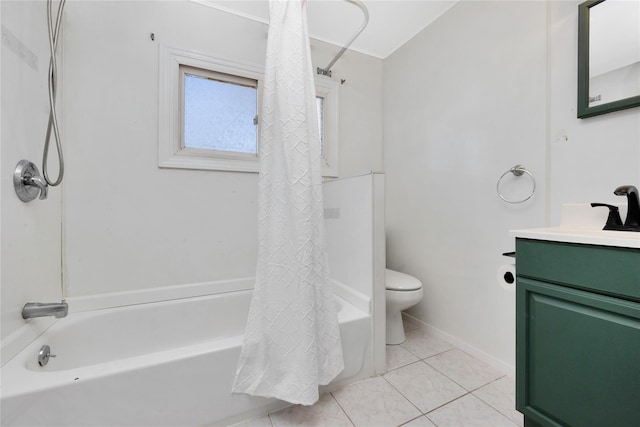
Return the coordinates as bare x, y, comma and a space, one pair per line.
27, 181
517, 170
326, 71
39, 309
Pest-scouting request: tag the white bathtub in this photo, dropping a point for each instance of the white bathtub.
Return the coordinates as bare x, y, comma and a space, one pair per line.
163, 363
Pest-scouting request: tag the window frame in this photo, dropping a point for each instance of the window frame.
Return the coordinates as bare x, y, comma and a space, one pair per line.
171, 151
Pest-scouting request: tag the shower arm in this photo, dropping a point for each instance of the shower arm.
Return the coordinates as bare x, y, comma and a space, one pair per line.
327, 70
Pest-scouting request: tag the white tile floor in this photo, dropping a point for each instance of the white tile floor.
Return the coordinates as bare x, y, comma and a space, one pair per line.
429, 383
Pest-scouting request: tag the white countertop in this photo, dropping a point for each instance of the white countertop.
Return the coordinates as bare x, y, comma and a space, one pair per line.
623, 239
580, 223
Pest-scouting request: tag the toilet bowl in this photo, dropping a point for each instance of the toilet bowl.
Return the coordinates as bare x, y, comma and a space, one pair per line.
402, 291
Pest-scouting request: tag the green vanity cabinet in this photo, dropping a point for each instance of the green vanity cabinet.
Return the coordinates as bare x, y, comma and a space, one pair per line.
577, 334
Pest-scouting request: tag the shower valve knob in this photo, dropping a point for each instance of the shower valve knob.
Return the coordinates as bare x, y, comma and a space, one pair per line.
28, 182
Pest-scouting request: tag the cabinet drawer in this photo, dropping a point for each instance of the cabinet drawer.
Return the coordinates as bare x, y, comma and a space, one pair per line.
603, 269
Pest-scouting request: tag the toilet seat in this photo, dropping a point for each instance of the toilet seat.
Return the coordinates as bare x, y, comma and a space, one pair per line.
396, 281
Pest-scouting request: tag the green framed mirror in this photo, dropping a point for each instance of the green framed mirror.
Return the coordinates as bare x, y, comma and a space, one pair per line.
608, 56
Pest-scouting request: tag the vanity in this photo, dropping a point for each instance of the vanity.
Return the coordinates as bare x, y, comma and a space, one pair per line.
578, 327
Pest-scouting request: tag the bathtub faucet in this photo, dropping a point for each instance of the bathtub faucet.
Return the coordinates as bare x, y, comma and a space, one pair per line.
38, 309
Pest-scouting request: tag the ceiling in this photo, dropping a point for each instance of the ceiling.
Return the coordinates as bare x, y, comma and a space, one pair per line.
391, 22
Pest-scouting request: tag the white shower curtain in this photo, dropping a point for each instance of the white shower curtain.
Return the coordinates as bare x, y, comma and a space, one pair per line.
292, 341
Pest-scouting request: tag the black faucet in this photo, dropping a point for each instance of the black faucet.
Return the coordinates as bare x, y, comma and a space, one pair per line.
632, 222
614, 222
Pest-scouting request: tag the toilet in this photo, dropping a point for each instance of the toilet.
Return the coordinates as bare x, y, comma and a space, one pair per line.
402, 291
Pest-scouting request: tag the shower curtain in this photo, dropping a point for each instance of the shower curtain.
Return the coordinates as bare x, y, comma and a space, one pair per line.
292, 340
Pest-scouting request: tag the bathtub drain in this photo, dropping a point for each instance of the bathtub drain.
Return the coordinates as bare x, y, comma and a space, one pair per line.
44, 355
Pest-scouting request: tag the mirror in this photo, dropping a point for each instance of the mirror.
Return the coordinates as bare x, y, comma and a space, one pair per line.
608, 56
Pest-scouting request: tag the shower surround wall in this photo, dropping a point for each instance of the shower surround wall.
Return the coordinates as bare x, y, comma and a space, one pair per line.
132, 226
31, 236
354, 227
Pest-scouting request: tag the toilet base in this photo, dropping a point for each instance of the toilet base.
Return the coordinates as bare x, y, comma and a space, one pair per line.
395, 328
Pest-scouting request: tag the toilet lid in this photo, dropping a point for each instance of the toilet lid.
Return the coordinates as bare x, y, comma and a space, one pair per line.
396, 281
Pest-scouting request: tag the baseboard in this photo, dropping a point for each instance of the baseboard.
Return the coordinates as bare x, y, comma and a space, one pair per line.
507, 369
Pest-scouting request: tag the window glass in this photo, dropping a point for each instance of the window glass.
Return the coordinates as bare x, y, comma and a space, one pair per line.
320, 108
219, 115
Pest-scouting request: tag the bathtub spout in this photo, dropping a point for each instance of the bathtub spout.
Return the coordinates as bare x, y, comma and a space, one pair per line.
38, 309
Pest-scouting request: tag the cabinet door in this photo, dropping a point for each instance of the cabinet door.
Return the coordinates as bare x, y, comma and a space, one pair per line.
578, 357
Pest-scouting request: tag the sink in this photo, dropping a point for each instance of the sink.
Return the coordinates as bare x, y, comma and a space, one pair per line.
582, 215
580, 223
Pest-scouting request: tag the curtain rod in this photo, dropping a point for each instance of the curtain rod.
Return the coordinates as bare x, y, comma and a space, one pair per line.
327, 70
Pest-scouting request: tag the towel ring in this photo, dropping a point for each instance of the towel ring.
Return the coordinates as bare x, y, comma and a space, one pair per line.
517, 170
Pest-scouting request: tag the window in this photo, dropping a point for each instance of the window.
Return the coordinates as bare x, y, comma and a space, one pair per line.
327, 103
208, 114
219, 112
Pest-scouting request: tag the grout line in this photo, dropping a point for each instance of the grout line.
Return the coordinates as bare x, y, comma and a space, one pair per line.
445, 404
442, 352
495, 409
463, 387
405, 365
467, 394
405, 398
431, 355
443, 373
447, 376
342, 409
413, 419
474, 395
465, 347
432, 421
489, 404
490, 382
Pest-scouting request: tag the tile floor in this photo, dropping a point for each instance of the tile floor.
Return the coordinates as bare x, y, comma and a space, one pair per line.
429, 383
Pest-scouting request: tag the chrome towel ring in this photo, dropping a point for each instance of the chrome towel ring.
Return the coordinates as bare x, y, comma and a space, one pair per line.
517, 170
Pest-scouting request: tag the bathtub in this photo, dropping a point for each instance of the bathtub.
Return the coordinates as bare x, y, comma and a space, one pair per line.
169, 363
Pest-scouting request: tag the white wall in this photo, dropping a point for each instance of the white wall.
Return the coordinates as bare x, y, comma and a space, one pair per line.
472, 95
589, 158
30, 264
130, 225
464, 101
